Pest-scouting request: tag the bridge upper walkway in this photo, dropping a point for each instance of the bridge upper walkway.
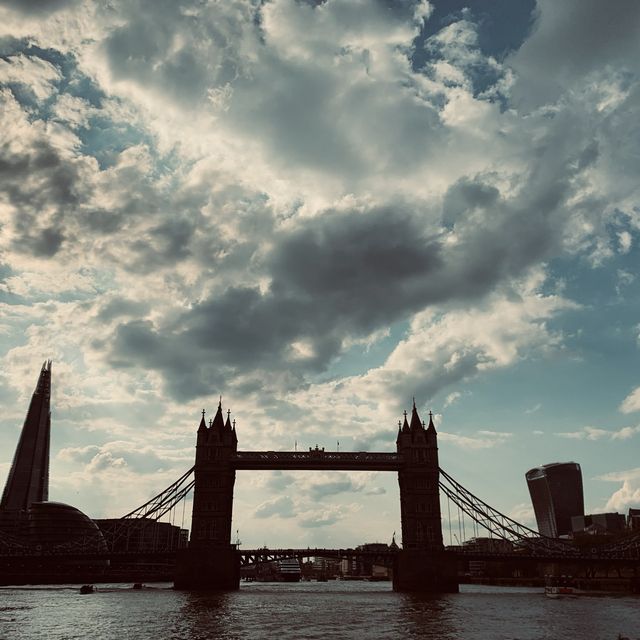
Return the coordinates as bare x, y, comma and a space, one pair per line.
316, 460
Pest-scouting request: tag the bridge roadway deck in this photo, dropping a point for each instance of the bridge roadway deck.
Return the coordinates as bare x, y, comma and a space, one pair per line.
250, 556
317, 460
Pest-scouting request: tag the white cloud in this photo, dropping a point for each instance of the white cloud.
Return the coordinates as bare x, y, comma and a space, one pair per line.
524, 514
628, 495
452, 398
281, 507
594, 433
625, 240
326, 516
632, 402
36, 75
483, 439
625, 278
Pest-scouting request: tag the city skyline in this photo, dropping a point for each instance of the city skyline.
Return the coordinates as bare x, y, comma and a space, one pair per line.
320, 211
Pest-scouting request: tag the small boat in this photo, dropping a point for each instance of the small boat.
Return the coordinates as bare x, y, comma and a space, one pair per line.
559, 587
289, 570
570, 587
87, 588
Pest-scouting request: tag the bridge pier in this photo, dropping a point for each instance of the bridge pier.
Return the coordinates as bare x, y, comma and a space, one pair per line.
208, 569
425, 572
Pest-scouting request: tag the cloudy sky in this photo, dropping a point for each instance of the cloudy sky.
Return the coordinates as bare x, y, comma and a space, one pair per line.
320, 210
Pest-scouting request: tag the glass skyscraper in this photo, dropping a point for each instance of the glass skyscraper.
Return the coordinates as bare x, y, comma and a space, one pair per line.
556, 494
28, 479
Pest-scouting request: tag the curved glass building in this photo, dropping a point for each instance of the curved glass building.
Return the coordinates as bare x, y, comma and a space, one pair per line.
59, 525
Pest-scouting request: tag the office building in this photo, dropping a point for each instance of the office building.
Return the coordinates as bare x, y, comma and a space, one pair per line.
556, 495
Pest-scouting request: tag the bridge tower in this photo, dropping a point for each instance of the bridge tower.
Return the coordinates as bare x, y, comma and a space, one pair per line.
211, 562
422, 565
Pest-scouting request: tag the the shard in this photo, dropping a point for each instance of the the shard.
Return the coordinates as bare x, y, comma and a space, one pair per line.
28, 479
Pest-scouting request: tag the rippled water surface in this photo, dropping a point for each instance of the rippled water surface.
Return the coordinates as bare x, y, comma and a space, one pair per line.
310, 610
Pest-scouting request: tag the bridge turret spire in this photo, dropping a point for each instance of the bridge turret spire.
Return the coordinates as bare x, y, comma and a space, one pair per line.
218, 420
203, 424
227, 424
416, 424
405, 424
431, 428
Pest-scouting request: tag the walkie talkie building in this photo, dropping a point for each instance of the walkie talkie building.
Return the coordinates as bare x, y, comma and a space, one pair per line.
556, 494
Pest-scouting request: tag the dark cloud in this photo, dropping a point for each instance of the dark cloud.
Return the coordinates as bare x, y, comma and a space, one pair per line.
180, 49
40, 186
574, 38
137, 343
45, 243
38, 6
466, 196
338, 275
444, 371
321, 490
103, 222
358, 268
162, 246
35, 177
118, 306
346, 274
296, 116
278, 481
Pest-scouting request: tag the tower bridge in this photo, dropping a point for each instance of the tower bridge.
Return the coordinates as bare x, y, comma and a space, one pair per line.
211, 561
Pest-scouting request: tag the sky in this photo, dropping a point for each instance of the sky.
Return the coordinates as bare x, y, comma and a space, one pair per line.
320, 211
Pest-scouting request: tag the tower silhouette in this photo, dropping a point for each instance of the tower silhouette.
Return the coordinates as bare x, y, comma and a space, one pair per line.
422, 564
210, 561
28, 479
418, 479
215, 477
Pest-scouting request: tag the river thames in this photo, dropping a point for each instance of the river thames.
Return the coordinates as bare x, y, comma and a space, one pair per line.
359, 610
